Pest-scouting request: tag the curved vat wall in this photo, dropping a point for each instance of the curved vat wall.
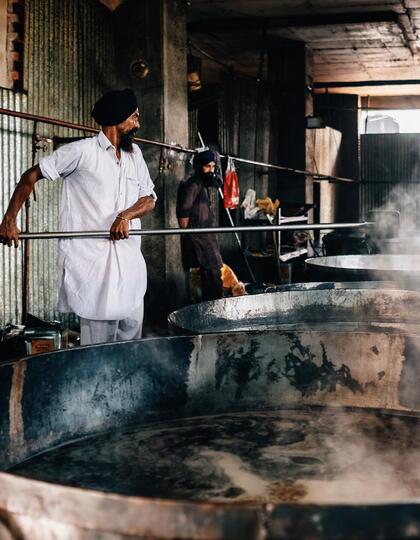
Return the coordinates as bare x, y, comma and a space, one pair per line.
314, 306
53, 399
403, 269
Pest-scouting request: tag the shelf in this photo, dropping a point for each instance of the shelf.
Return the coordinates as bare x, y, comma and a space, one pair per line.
255, 256
295, 219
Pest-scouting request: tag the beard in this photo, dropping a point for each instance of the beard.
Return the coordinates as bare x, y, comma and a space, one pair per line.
211, 180
126, 141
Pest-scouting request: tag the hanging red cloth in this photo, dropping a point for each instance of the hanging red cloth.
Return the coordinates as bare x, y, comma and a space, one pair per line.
231, 186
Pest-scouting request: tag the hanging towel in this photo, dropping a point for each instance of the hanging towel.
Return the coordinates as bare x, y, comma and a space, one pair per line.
249, 205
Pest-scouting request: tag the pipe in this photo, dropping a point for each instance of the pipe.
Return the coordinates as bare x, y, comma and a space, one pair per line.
238, 240
320, 176
175, 147
166, 232
351, 84
27, 245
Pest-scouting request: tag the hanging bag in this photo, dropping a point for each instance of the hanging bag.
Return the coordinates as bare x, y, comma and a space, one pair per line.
231, 186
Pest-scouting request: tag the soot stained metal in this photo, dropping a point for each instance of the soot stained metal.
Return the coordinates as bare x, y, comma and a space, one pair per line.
306, 376
319, 306
264, 434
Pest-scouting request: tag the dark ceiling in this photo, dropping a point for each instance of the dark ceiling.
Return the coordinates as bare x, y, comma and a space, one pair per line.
351, 40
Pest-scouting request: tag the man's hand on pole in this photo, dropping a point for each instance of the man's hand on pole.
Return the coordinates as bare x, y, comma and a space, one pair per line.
120, 228
9, 232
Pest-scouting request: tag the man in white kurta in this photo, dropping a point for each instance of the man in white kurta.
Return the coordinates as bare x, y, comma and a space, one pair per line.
104, 188
101, 280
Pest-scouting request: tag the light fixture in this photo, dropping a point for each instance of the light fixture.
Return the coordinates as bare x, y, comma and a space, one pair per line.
112, 4
193, 73
193, 70
139, 69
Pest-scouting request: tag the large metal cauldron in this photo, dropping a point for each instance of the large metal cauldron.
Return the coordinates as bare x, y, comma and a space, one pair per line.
322, 306
404, 269
256, 435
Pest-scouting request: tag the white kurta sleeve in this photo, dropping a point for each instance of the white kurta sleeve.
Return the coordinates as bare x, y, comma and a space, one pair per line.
61, 162
147, 187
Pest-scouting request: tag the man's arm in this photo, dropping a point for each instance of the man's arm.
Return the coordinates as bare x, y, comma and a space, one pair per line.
187, 194
120, 227
183, 222
9, 232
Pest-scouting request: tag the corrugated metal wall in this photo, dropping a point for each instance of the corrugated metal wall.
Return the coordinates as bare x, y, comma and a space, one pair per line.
390, 174
244, 128
14, 150
244, 131
69, 63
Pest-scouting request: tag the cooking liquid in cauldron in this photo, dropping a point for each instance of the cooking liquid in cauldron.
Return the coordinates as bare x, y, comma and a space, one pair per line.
318, 456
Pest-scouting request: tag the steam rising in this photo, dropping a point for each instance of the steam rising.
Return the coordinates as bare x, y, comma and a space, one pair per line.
371, 468
396, 223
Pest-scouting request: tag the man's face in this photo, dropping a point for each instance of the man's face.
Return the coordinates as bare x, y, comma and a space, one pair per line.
128, 129
209, 168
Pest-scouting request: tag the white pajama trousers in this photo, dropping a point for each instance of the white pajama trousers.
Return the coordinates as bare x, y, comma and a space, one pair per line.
92, 331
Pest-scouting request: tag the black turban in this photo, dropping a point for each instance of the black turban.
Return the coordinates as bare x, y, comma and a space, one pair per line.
203, 158
114, 107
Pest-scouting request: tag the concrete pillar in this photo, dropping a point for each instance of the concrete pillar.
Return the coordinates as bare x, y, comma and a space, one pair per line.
327, 152
155, 30
341, 113
289, 76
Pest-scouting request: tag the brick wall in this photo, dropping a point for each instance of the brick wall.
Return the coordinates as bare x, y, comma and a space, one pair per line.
11, 44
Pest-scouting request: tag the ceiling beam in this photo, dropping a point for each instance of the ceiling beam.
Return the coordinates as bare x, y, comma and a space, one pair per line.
408, 29
238, 24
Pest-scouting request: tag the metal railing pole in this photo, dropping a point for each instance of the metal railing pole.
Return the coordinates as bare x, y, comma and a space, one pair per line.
175, 147
202, 230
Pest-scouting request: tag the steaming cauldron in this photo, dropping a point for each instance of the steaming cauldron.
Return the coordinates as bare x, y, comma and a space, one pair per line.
404, 269
253, 435
326, 306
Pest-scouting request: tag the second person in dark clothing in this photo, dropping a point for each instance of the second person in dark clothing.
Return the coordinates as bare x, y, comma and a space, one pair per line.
194, 210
